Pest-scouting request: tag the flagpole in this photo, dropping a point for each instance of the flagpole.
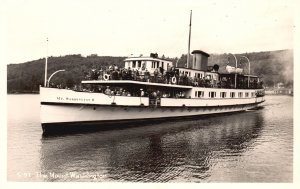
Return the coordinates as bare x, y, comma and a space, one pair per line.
46, 65
188, 55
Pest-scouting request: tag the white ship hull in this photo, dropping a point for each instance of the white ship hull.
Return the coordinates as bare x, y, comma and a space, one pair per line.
63, 110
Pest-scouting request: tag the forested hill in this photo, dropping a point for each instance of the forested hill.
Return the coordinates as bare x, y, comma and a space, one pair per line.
26, 77
273, 66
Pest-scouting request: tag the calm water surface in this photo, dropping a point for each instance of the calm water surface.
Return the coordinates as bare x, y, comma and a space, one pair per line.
252, 146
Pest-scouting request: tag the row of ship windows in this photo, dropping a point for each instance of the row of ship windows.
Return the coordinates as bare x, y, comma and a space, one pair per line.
212, 94
198, 75
139, 64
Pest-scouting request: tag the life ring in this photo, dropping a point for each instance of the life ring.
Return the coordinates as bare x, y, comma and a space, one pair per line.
174, 80
106, 77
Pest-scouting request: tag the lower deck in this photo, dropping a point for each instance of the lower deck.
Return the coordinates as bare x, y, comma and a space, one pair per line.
63, 96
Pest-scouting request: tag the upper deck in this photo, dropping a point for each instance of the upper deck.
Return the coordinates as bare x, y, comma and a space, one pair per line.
152, 74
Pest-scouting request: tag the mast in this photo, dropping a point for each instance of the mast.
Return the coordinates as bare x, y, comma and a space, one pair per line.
46, 64
188, 55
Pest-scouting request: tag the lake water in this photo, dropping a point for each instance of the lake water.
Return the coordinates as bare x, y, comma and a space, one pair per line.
252, 146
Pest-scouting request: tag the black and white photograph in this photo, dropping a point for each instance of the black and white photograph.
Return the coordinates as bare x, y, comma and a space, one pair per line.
148, 92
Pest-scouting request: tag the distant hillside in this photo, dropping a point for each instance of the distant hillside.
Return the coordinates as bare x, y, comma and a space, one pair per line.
273, 66
26, 77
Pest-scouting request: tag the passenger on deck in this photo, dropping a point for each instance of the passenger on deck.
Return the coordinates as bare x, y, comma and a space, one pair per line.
114, 75
180, 80
124, 93
142, 92
107, 91
155, 73
182, 94
110, 68
185, 79
124, 74
172, 72
137, 75
158, 93
154, 94
129, 74
177, 76
195, 82
100, 77
147, 75
161, 70
207, 81
167, 77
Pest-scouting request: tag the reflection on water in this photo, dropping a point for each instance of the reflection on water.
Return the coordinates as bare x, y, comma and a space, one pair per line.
252, 146
157, 153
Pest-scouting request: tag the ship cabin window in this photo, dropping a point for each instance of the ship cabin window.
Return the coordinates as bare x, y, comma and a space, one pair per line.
155, 64
139, 64
223, 94
212, 94
252, 94
199, 94
188, 73
246, 95
133, 64
198, 75
232, 94
240, 95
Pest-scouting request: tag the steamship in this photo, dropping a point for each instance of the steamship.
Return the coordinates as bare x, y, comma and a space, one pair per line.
155, 93
65, 109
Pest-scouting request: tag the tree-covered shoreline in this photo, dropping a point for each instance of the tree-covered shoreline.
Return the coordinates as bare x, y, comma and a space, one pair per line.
272, 66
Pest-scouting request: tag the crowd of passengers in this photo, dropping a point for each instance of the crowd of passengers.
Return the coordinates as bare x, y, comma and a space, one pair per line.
170, 76
119, 91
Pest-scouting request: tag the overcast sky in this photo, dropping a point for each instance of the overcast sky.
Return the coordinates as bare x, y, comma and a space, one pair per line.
121, 28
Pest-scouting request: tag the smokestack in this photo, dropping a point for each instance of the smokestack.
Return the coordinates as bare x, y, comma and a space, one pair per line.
200, 60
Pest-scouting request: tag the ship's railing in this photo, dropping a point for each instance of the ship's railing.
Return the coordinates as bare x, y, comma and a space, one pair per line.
169, 79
